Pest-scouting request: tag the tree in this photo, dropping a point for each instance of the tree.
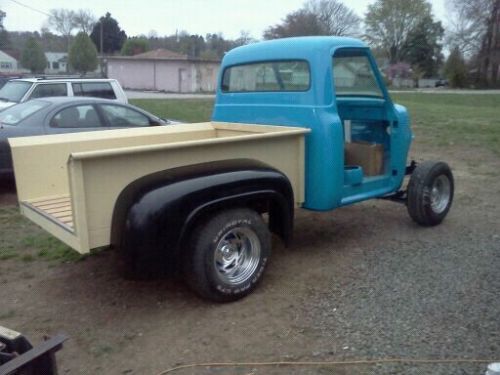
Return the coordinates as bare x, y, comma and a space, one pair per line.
475, 29
422, 48
317, 17
134, 46
298, 23
33, 57
83, 54
489, 54
112, 36
63, 22
4, 35
388, 24
84, 20
335, 17
455, 68
467, 24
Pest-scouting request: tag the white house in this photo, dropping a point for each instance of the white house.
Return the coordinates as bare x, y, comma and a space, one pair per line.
56, 62
164, 70
8, 64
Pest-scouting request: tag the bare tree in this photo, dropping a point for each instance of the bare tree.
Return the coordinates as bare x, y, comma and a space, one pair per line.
84, 20
335, 17
63, 22
317, 17
467, 24
475, 30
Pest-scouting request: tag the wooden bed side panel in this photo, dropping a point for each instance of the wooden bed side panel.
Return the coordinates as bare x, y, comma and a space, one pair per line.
104, 178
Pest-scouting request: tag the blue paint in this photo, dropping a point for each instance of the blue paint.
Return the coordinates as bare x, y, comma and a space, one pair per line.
375, 120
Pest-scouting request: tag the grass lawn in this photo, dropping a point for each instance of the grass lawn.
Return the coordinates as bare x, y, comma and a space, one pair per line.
449, 119
186, 110
437, 119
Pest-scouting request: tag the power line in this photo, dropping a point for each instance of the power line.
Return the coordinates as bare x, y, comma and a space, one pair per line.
31, 8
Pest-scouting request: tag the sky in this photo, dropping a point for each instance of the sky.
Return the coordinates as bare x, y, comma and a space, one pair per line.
164, 17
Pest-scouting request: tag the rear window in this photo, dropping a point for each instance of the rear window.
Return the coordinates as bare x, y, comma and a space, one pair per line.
13, 115
267, 76
94, 89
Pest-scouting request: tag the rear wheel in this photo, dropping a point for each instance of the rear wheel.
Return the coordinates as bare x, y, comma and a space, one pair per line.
430, 193
228, 255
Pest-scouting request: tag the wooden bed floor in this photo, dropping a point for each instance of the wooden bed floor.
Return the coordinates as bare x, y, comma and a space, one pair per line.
57, 209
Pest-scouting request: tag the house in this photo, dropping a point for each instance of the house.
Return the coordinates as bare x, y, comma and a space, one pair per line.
57, 62
8, 64
163, 70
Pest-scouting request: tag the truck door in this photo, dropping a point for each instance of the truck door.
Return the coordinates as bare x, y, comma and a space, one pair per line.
366, 113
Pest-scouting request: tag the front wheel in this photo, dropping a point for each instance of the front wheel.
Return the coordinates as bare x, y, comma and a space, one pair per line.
430, 193
228, 255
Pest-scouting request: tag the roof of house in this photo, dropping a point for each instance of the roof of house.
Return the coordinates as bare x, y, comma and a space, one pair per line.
161, 54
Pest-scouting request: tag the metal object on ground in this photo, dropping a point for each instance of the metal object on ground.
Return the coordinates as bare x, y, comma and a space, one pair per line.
19, 357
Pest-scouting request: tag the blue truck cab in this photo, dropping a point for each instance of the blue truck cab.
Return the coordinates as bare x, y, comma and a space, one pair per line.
322, 83
213, 221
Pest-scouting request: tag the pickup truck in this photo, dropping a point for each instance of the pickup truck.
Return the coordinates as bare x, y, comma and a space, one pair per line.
298, 123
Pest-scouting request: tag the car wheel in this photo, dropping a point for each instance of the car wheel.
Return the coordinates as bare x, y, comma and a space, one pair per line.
430, 193
227, 255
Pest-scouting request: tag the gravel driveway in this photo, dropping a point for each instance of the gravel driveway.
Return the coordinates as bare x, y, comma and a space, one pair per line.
358, 283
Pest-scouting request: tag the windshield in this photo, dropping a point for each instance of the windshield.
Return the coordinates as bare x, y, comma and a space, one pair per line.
18, 112
13, 91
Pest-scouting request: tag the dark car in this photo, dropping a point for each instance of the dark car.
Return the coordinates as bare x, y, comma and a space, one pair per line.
66, 115
441, 83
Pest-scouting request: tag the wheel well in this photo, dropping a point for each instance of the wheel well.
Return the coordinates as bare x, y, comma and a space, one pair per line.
280, 218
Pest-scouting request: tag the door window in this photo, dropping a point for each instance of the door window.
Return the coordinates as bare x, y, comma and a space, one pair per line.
49, 89
80, 116
119, 116
353, 75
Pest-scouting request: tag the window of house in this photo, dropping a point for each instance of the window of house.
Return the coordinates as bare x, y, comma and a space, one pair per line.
94, 89
49, 89
5, 65
267, 76
55, 65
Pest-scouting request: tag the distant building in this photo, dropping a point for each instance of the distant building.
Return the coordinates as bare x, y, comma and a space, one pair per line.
57, 62
8, 64
164, 70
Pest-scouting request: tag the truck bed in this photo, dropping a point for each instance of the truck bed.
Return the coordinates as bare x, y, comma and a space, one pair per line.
68, 183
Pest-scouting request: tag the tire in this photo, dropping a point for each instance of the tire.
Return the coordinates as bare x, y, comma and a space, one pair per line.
430, 193
217, 246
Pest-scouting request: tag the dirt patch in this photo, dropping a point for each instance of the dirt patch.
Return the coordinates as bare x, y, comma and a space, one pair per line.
359, 282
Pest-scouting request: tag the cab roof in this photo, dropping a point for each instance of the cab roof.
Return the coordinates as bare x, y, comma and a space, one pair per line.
289, 48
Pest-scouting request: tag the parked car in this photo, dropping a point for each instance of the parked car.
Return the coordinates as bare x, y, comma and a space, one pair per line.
441, 83
23, 89
66, 115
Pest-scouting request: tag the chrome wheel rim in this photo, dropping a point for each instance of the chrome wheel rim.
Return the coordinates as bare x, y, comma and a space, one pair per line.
440, 194
237, 255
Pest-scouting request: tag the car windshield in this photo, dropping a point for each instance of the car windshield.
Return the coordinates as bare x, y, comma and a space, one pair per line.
13, 91
18, 112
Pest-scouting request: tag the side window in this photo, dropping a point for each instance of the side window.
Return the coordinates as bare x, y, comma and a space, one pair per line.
353, 75
94, 89
80, 116
43, 90
119, 116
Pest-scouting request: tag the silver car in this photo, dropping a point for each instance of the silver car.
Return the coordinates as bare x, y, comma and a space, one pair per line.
66, 115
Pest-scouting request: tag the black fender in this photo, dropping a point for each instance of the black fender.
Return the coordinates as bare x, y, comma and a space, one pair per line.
154, 215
